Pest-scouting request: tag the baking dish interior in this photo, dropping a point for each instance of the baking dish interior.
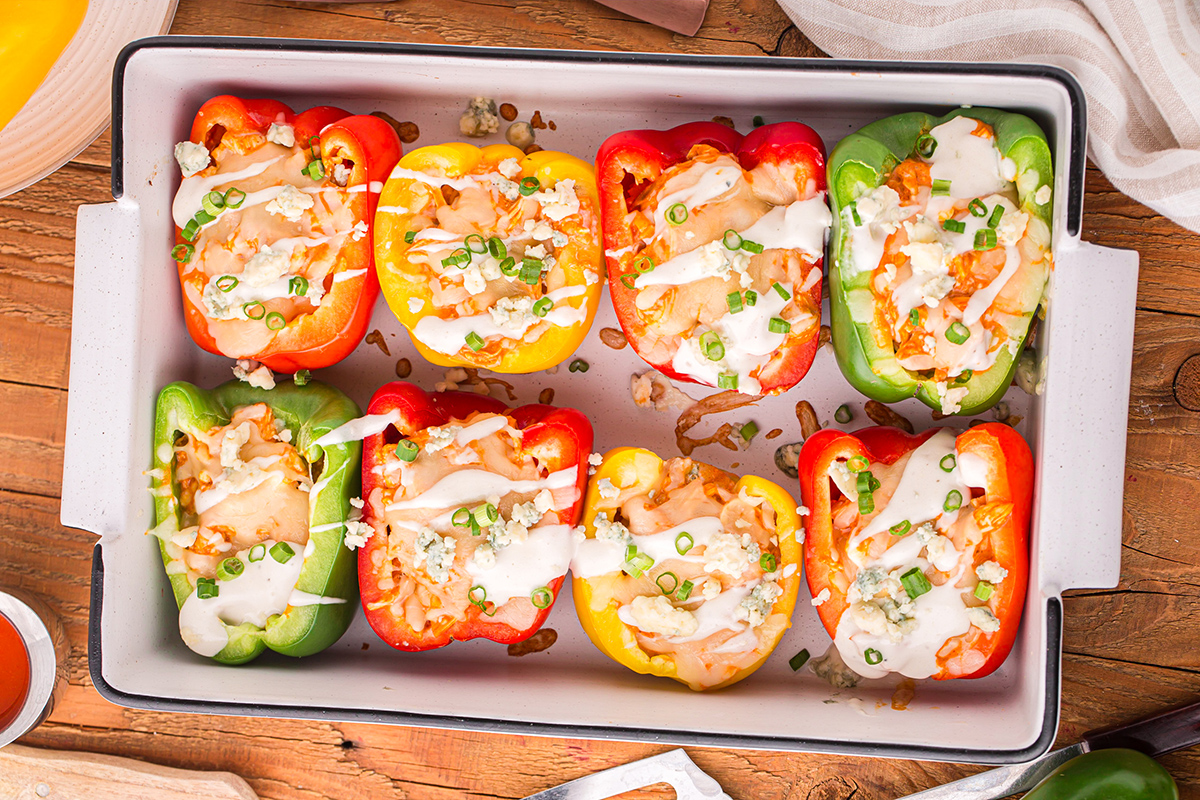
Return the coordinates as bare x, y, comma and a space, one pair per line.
570, 689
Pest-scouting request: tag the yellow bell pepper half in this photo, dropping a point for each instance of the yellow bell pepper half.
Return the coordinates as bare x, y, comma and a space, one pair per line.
428, 213
33, 34
596, 600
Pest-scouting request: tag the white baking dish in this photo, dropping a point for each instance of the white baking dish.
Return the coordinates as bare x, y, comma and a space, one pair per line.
129, 340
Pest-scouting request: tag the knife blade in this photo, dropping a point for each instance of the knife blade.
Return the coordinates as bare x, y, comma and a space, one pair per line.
673, 767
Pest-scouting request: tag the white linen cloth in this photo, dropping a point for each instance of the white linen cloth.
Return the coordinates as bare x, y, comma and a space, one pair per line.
1137, 60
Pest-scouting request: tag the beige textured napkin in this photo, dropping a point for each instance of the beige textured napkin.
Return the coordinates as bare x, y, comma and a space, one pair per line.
1138, 62
680, 16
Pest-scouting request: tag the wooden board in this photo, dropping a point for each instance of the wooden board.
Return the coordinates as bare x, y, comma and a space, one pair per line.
1129, 651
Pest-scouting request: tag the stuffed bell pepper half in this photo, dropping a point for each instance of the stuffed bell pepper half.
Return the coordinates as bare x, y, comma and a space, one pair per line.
473, 507
251, 513
687, 571
917, 549
273, 229
490, 257
941, 254
714, 244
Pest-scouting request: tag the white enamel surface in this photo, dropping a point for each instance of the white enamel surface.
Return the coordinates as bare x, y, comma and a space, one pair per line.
121, 357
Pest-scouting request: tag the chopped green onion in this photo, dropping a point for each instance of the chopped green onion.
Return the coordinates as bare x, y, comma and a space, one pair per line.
508, 266
677, 214
751, 247
758, 121
997, 213
314, 146
926, 145
947, 463
496, 247
843, 414
941, 187
315, 169
542, 597
685, 590
734, 301
579, 365
767, 562
857, 463
301, 377
643, 264
985, 239
183, 253
227, 283
191, 230
958, 333
915, 583
727, 380
779, 325
751, 297
630, 552
954, 225
642, 561
529, 185
282, 552
475, 529
459, 257
711, 346
298, 285
475, 244
474, 341
486, 514
977, 207
531, 270
542, 307
953, 500
409, 237
782, 292
203, 217
254, 310
674, 583
984, 590
872, 656
461, 517
799, 660
206, 588
477, 594
900, 528
684, 542
275, 321
732, 240
234, 198
914, 317
258, 553
854, 214
230, 568
213, 202
490, 612
866, 482
627, 279
866, 503
407, 450
748, 431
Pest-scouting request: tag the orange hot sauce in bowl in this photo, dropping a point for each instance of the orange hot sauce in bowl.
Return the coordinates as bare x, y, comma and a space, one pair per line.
14, 672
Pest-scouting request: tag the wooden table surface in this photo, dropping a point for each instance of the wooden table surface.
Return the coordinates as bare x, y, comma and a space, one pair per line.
1127, 652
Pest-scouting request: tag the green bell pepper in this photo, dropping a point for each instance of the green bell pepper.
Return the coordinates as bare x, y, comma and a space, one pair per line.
1115, 774
329, 574
861, 162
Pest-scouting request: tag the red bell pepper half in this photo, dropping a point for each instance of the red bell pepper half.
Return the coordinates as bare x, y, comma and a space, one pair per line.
436, 499
973, 554
337, 159
714, 244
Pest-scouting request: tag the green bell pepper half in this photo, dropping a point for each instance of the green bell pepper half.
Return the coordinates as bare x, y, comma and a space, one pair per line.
309, 411
859, 163
1115, 774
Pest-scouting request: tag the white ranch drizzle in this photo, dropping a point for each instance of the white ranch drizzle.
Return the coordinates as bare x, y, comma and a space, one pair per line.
596, 557
472, 485
523, 567
715, 181
358, 429
193, 189
448, 336
465, 182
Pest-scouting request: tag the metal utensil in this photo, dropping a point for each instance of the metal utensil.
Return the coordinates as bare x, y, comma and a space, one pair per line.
1154, 736
673, 767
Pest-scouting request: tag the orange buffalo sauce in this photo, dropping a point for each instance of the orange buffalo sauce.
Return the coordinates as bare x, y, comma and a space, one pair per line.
14, 672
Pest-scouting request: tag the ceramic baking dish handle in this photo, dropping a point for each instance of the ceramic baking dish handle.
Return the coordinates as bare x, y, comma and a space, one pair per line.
108, 244
1088, 352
